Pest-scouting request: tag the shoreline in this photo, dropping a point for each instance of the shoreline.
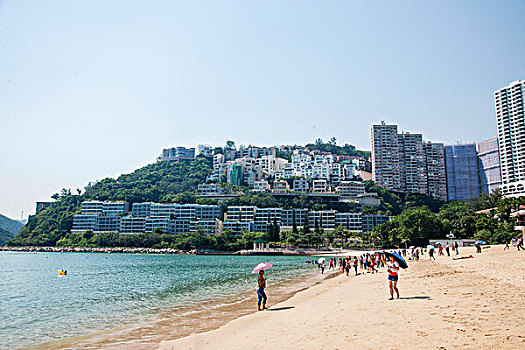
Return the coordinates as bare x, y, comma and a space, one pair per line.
124, 250
444, 304
176, 323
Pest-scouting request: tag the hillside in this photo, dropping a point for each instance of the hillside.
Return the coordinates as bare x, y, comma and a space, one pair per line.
158, 182
9, 225
5, 236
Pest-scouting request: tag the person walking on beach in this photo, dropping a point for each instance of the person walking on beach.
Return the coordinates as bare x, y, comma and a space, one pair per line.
456, 246
356, 262
507, 245
392, 269
431, 254
520, 244
447, 248
261, 295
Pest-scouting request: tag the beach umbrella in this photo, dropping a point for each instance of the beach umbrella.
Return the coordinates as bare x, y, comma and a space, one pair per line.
430, 246
261, 267
402, 263
321, 260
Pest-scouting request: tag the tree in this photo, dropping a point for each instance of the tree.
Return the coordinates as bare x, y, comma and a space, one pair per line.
417, 225
294, 223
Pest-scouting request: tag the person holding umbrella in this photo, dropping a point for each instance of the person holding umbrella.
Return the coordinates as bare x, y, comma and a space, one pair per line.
261, 284
392, 269
261, 295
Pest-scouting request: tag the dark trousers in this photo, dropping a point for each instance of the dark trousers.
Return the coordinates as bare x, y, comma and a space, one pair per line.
261, 296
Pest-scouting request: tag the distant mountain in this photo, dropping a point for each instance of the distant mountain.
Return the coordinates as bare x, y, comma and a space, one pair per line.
9, 225
5, 236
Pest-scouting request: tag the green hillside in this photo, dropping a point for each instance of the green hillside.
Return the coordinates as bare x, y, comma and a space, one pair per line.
5, 236
161, 182
10, 225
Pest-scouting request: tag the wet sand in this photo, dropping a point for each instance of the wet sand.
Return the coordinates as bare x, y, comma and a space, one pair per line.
179, 322
445, 304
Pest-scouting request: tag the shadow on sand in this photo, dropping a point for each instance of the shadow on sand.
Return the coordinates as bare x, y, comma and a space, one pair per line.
281, 308
422, 297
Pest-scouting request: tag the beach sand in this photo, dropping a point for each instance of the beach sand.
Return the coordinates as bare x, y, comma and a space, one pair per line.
445, 304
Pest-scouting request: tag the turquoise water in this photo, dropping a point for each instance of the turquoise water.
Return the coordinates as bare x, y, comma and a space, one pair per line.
105, 291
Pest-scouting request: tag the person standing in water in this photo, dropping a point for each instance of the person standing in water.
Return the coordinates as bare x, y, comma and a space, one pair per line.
261, 295
392, 269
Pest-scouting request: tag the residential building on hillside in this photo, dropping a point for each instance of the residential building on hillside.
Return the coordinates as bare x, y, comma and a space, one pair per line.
131, 224
436, 173
406, 163
205, 150
280, 186
177, 154
489, 165
209, 189
385, 157
510, 114
261, 186
104, 208
42, 205
350, 189
300, 185
412, 163
371, 221
320, 186
289, 215
461, 162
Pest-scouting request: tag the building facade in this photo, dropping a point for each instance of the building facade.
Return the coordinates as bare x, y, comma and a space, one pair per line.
461, 162
177, 154
510, 115
406, 163
436, 172
489, 165
385, 157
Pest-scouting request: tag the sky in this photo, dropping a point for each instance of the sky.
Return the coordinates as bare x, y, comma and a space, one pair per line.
93, 89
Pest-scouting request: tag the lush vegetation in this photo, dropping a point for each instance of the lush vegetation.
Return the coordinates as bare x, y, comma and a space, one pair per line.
416, 225
158, 182
332, 147
10, 225
226, 241
5, 236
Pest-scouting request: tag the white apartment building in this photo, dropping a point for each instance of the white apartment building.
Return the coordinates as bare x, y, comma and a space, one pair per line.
320, 186
243, 213
131, 224
300, 185
350, 189
510, 114
261, 186
104, 208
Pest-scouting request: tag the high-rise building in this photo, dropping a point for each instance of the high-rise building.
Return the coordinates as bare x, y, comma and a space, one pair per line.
436, 175
489, 165
461, 162
510, 114
412, 163
405, 163
385, 156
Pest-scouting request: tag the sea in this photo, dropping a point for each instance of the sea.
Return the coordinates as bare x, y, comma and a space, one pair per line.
132, 301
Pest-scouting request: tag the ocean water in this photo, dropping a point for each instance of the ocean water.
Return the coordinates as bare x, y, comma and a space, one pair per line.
111, 293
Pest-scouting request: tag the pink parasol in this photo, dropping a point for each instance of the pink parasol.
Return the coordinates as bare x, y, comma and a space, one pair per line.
261, 267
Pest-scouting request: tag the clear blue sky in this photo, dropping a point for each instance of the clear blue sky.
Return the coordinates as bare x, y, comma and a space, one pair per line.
90, 89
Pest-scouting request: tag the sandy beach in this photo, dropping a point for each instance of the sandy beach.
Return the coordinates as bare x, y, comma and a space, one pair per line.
445, 304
